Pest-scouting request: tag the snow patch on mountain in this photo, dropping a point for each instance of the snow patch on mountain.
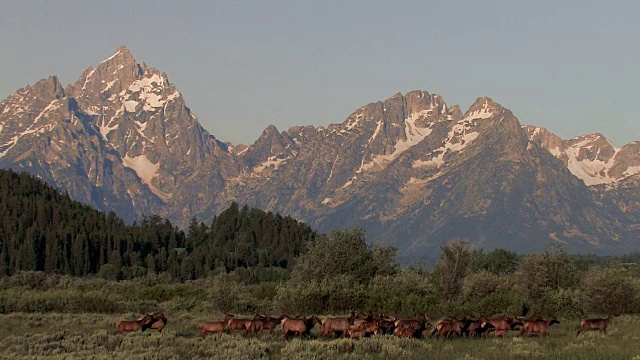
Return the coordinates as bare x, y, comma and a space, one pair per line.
354, 122
556, 151
413, 133
87, 79
111, 57
483, 113
150, 94
592, 172
109, 85
10, 144
333, 164
271, 161
632, 170
147, 84
105, 129
376, 132
347, 184
141, 126
145, 169
53, 105
130, 105
458, 138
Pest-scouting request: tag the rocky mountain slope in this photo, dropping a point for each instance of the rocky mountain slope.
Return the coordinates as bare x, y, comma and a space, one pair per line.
411, 170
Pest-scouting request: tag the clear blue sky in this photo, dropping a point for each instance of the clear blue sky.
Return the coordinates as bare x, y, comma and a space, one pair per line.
570, 66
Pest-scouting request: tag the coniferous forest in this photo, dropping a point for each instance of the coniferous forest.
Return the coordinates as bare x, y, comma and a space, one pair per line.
43, 230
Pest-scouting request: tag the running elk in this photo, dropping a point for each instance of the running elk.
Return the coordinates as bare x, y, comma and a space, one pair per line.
594, 324
538, 326
158, 322
133, 325
336, 326
298, 326
215, 327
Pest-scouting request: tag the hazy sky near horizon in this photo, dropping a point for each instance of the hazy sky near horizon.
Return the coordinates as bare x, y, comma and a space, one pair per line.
570, 66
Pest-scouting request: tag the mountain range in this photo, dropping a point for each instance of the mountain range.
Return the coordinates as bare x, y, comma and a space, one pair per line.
411, 170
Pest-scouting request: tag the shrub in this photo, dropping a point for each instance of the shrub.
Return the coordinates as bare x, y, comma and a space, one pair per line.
608, 290
337, 295
407, 293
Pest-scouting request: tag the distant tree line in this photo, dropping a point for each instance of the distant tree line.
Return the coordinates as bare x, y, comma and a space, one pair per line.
266, 262
43, 230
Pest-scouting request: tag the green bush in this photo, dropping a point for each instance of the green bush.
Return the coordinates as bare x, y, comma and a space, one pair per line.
562, 302
407, 293
337, 295
478, 286
609, 290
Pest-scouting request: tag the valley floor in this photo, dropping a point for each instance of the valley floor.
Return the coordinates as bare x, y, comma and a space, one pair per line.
90, 336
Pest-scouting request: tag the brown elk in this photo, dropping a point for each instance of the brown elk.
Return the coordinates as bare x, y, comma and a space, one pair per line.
237, 324
538, 326
448, 327
297, 326
133, 325
407, 332
357, 333
215, 327
361, 318
311, 322
594, 324
253, 326
159, 321
270, 323
387, 326
416, 324
336, 326
427, 330
368, 327
478, 328
500, 326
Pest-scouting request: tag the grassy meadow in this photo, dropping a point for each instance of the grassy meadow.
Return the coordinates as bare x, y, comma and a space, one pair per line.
91, 336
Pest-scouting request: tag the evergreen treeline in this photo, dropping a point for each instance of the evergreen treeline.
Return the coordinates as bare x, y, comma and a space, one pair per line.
43, 230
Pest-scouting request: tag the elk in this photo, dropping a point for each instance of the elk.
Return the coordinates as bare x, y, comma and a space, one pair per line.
473, 327
159, 321
297, 326
336, 326
500, 325
133, 325
594, 324
538, 326
237, 324
427, 330
387, 326
407, 332
367, 327
361, 318
356, 333
448, 327
270, 323
253, 326
215, 327
417, 324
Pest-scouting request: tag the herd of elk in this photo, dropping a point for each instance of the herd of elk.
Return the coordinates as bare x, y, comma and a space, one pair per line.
358, 326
